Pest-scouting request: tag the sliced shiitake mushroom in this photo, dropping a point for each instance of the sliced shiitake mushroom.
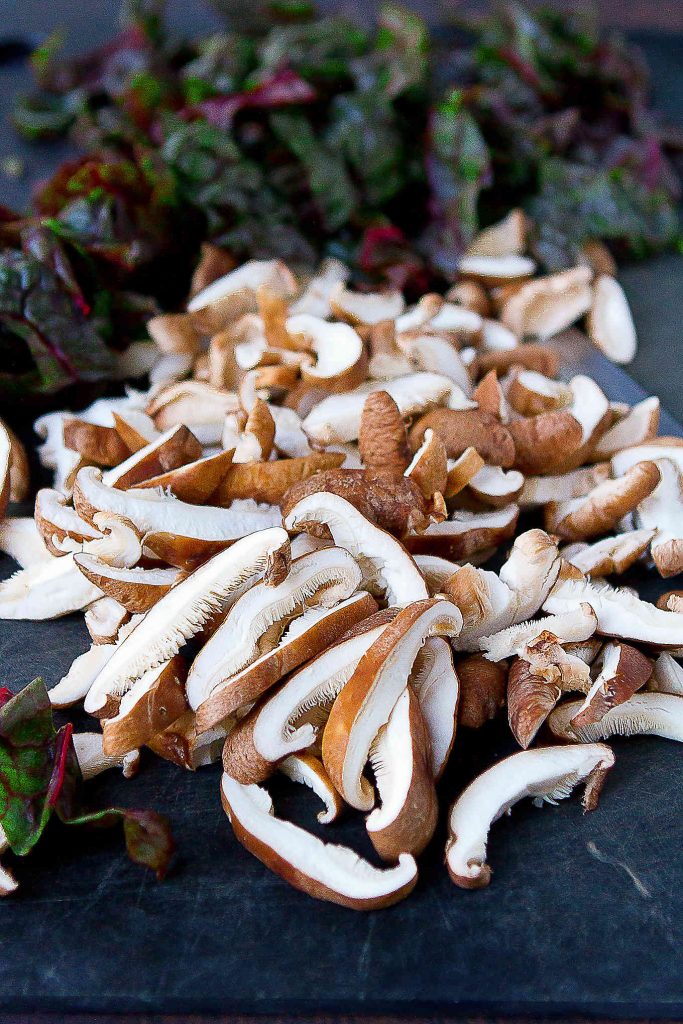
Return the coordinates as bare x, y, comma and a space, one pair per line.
623, 670
435, 681
643, 714
601, 509
152, 704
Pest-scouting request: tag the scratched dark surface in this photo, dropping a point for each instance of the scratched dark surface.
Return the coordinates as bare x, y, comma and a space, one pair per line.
584, 915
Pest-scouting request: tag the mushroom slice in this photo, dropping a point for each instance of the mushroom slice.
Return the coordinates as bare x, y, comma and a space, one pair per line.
495, 337
104, 619
482, 690
434, 354
613, 555
289, 719
135, 428
470, 296
365, 307
231, 296
436, 684
46, 590
490, 397
539, 490
530, 393
195, 403
601, 509
400, 756
620, 614
643, 714
366, 701
136, 590
257, 621
609, 322
340, 359
152, 704
174, 333
332, 873
22, 541
383, 560
495, 487
176, 447
421, 313
309, 634
495, 270
382, 441
530, 699
661, 510
183, 612
623, 671
657, 448
429, 467
638, 426
309, 770
460, 429
507, 237
459, 325
84, 669
667, 676
92, 759
547, 774
55, 518
94, 443
531, 357
531, 571
548, 305
577, 623
183, 745
151, 511
462, 470
315, 299
269, 482
548, 659
214, 262
195, 482
436, 571
466, 533
486, 602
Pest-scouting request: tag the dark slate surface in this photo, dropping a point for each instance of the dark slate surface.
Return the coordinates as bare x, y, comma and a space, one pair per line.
584, 914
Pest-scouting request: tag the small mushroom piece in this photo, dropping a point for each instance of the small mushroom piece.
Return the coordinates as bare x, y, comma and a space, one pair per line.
434, 354
214, 262
195, 482
176, 447
667, 676
531, 357
92, 759
340, 360
496, 270
462, 470
643, 714
661, 510
482, 690
549, 660
420, 314
460, 429
506, 237
466, 534
308, 770
609, 322
530, 699
486, 602
136, 589
546, 774
496, 487
174, 333
577, 623
495, 337
183, 612
471, 296
384, 561
460, 326
612, 555
332, 873
601, 509
548, 305
95, 443
135, 428
539, 490
315, 299
623, 671
530, 393
365, 307
435, 681
382, 440
83, 671
365, 702
490, 397
429, 466
194, 404
530, 571
22, 541
104, 618
657, 448
55, 520
638, 426
400, 756
234, 294
152, 704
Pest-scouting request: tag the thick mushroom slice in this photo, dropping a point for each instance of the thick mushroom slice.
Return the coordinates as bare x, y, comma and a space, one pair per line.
366, 701
290, 719
495, 487
482, 690
269, 482
496, 270
154, 512
530, 393
46, 590
662, 511
643, 714
400, 756
383, 560
434, 354
196, 405
136, 589
257, 621
667, 676
548, 305
81, 675
610, 556
340, 358
547, 774
609, 322
462, 470
530, 571
176, 447
365, 307
315, 298
308, 770
530, 699
466, 534
332, 873
55, 518
638, 426
601, 509
460, 429
96, 444
194, 482
506, 237
487, 604
183, 612
104, 618
623, 671
577, 623
22, 541
531, 357
657, 448
231, 296
152, 704
436, 684
539, 490
436, 571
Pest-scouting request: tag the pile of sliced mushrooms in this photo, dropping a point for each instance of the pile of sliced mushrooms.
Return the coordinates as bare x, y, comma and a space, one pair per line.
279, 552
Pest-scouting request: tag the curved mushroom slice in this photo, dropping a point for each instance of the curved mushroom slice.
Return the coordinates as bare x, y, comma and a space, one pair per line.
506, 237
466, 533
620, 614
496, 270
623, 671
601, 509
46, 590
462, 470
195, 482
22, 541
104, 618
436, 572
490, 397
183, 745
547, 774
613, 555
638, 426
459, 326
657, 448
315, 299
486, 602
18, 469
667, 676
482, 690
530, 571
383, 560
337, 418
531, 357
92, 759
55, 518
152, 704
183, 612
176, 447
429, 466
310, 771
340, 357
436, 684
460, 429
290, 719
400, 756
309, 634
84, 670
94, 443
495, 487
609, 322
174, 333
530, 393
643, 714
530, 699
196, 404
661, 510
548, 305
231, 296
365, 307
366, 701
332, 873
257, 621
154, 512
382, 439
539, 490
135, 589
549, 660
577, 623
435, 354
269, 482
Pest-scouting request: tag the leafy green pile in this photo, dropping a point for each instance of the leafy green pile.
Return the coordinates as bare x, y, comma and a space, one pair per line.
311, 136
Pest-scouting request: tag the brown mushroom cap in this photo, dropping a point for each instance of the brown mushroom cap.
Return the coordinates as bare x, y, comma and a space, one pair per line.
175, 448
624, 669
460, 429
532, 357
530, 698
154, 702
466, 534
382, 440
96, 444
601, 509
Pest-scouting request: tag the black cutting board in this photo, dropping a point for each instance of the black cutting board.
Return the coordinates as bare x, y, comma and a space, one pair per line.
584, 914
